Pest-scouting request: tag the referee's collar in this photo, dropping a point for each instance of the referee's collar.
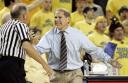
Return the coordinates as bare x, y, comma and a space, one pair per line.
15, 19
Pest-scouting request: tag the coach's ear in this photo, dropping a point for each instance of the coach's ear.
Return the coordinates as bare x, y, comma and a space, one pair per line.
69, 19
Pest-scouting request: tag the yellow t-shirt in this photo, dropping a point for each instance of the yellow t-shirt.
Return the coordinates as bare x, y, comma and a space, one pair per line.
76, 17
126, 40
27, 1
121, 54
1, 4
98, 39
84, 27
67, 4
44, 21
115, 5
2, 12
107, 30
33, 11
35, 72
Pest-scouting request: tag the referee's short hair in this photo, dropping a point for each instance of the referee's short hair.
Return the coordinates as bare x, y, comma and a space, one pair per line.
18, 9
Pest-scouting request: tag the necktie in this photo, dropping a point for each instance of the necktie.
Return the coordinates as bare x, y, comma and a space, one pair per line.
63, 53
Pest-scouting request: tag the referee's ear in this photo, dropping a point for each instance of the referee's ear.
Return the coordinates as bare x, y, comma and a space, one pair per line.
24, 17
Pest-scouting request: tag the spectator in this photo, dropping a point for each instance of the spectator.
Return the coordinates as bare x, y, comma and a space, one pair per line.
33, 6
102, 3
8, 5
5, 18
87, 25
123, 13
116, 31
90, 3
125, 25
114, 8
78, 13
43, 18
99, 33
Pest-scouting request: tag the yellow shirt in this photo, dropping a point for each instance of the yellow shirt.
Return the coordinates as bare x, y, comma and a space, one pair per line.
27, 1
115, 5
76, 17
44, 21
98, 39
121, 54
126, 40
107, 30
67, 4
1, 4
35, 72
2, 12
84, 27
33, 11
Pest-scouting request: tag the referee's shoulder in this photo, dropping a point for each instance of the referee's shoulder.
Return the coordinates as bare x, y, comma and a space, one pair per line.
21, 24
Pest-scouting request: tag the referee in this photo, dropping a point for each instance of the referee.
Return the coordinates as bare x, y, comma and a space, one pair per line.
14, 44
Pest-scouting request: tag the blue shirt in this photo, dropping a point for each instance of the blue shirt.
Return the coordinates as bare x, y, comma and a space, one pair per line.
75, 40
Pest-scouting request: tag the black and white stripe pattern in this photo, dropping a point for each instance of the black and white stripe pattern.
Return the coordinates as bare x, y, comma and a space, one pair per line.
13, 33
63, 53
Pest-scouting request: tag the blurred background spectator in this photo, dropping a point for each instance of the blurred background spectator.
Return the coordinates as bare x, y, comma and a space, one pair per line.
43, 18
77, 15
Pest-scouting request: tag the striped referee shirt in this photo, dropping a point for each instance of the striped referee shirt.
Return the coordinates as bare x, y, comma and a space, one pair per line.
12, 34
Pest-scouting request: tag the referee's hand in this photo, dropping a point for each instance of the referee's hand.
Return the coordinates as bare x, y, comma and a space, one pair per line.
52, 76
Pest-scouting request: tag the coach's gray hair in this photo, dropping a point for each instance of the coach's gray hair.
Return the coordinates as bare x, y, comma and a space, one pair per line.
66, 12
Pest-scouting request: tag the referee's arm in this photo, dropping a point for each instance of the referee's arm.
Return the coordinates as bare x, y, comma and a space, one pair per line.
34, 54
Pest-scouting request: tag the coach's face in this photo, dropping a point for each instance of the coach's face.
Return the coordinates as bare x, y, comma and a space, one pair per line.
61, 21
